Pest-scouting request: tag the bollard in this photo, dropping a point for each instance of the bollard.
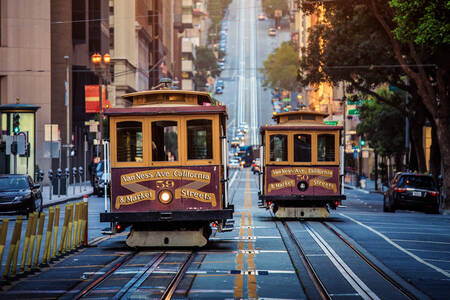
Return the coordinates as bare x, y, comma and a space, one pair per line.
17, 246
12, 247
3, 233
54, 245
86, 217
48, 237
39, 241
80, 223
83, 222
62, 242
26, 244
70, 228
75, 226
32, 240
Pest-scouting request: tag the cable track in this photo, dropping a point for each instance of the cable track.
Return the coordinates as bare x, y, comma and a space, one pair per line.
133, 284
351, 277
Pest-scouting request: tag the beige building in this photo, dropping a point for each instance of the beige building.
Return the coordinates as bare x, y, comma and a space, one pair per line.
25, 64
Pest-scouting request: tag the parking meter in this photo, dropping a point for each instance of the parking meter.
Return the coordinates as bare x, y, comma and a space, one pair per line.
67, 172
74, 171
58, 173
50, 175
41, 175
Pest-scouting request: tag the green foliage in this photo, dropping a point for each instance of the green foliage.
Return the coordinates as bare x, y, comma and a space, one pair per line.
269, 6
280, 68
205, 64
382, 126
426, 22
216, 11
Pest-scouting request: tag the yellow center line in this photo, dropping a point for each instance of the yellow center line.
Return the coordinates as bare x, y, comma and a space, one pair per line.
239, 279
251, 283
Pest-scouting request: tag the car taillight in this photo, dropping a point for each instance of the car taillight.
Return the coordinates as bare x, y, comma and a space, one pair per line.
399, 190
434, 193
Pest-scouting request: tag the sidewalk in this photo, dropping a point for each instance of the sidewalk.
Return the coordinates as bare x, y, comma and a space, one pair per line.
85, 188
368, 186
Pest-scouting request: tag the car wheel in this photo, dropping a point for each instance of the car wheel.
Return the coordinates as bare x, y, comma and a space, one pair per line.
387, 207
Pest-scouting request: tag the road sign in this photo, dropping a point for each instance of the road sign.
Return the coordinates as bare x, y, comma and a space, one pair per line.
332, 123
353, 112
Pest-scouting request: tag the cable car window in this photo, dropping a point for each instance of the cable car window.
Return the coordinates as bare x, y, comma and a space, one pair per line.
129, 137
278, 147
164, 141
325, 147
199, 139
302, 147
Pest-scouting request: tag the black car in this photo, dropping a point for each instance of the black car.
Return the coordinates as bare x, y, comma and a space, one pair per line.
412, 191
18, 193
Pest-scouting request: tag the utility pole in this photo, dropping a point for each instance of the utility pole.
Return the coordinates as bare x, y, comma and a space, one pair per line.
67, 103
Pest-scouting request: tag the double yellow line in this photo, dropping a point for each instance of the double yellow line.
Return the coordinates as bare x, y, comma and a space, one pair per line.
246, 217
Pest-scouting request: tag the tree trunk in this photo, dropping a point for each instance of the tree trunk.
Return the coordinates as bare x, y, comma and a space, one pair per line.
442, 128
435, 154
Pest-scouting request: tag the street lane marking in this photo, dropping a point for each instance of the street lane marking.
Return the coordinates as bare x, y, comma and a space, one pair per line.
425, 250
409, 232
421, 241
437, 269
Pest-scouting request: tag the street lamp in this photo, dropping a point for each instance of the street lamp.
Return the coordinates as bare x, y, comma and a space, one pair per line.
101, 69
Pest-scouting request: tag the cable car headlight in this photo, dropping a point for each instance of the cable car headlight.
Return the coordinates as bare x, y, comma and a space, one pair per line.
165, 196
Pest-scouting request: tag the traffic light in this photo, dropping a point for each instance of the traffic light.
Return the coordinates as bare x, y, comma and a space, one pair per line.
16, 123
362, 142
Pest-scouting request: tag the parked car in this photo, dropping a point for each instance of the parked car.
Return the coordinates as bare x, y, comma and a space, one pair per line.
219, 90
18, 193
261, 17
220, 83
412, 191
272, 31
234, 164
100, 178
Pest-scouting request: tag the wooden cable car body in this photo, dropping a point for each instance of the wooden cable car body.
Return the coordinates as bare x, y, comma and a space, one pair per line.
168, 180
302, 166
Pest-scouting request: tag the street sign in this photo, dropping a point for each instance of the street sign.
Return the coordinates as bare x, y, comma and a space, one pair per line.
332, 123
353, 112
93, 128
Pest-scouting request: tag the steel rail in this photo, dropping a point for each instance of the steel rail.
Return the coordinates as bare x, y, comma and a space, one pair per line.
115, 265
382, 273
134, 283
309, 268
172, 287
352, 278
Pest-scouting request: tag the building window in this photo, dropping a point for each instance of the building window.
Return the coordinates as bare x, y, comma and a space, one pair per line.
325, 147
278, 147
165, 141
199, 133
111, 37
129, 141
302, 147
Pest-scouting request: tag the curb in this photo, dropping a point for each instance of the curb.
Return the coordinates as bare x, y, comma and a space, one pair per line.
65, 200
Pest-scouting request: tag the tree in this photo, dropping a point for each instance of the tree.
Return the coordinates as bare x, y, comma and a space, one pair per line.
383, 127
280, 68
205, 64
269, 7
421, 56
425, 59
